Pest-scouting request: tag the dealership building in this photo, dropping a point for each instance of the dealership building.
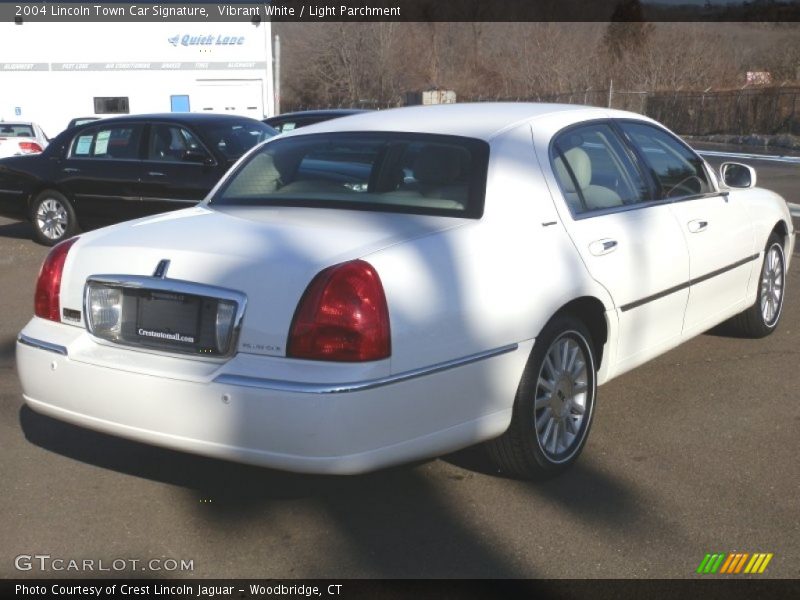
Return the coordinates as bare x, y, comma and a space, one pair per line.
53, 72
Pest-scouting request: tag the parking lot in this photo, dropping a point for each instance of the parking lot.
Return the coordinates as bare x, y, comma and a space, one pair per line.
692, 453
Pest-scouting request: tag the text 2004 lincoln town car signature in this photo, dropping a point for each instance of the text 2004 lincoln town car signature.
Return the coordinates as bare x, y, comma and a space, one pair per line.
401, 284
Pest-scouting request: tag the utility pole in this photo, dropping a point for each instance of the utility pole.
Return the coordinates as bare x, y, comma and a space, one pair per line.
610, 91
277, 72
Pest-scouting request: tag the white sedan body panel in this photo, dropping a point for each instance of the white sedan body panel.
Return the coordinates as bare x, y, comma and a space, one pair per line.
644, 254
764, 208
718, 234
10, 145
466, 300
224, 412
272, 253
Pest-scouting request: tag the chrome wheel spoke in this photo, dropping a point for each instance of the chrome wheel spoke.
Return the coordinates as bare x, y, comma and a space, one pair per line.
578, 409
543, 401
543, 420
554, 438
547, 384
569, 437
572, 355
548, 364
548, 431
563, 352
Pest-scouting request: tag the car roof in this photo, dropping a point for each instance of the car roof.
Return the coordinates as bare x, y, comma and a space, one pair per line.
323, 112
176, 117
13, 123
482, 120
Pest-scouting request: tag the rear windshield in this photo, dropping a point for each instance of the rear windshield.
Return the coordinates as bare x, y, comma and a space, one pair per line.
394, 172
234, 139
13, 130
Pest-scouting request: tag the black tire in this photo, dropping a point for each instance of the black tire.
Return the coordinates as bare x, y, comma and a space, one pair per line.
756, 321
53, 218
519, 451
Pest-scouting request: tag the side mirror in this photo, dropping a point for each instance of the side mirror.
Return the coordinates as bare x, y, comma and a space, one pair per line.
737, 175
198, 156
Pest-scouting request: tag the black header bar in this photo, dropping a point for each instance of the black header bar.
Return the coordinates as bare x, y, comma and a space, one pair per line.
406, 10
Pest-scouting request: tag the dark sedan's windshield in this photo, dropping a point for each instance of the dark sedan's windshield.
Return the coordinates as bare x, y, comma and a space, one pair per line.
234, 139
382, 171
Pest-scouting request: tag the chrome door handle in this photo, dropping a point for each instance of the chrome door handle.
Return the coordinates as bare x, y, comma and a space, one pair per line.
70, 170
697, 225
604, 246
156, 174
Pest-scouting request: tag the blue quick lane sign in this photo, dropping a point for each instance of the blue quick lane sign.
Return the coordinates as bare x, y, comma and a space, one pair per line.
206, 40
18, 110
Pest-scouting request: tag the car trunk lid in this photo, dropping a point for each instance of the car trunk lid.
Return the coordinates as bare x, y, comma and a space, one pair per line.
268, 253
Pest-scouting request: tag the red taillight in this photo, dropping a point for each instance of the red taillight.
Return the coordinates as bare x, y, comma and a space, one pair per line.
30, 147
342, 316
46, 303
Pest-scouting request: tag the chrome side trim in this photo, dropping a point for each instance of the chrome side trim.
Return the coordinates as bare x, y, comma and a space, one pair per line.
686, 284
102, 197
278, 385
41, 345
173, 200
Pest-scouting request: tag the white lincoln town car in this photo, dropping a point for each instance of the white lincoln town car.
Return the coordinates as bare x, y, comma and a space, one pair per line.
400, 284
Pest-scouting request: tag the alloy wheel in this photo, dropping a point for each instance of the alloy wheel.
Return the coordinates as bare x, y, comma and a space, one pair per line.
562, 397
52, 218
772, 285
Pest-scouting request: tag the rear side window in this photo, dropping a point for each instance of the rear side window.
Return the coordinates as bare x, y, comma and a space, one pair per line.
594, 169
395, 172
677, 169
119, 142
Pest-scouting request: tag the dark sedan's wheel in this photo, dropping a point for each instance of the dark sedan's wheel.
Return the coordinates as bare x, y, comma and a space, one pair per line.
762, 317
53, 218
554, 405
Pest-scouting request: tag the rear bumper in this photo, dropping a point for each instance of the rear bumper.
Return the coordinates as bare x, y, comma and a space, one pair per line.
223, 412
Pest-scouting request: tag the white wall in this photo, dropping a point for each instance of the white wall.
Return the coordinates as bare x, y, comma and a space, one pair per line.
52, 71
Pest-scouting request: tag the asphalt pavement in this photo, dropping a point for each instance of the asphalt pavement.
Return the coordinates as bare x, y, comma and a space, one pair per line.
694, 453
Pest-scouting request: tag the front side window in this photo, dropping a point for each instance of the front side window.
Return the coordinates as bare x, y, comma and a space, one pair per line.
677, 169
594, 171
395, 172
171, 143
232, 139
120, 142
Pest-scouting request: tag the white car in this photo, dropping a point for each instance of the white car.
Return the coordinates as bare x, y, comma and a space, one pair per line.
17, 139
400, 284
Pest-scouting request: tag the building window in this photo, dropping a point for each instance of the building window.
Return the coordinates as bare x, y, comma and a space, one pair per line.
179, 103
111, 106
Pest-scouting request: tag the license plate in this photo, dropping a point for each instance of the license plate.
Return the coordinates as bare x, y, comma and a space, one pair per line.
169, 318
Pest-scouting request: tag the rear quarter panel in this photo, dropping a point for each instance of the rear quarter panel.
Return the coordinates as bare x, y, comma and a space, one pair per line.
19, 178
